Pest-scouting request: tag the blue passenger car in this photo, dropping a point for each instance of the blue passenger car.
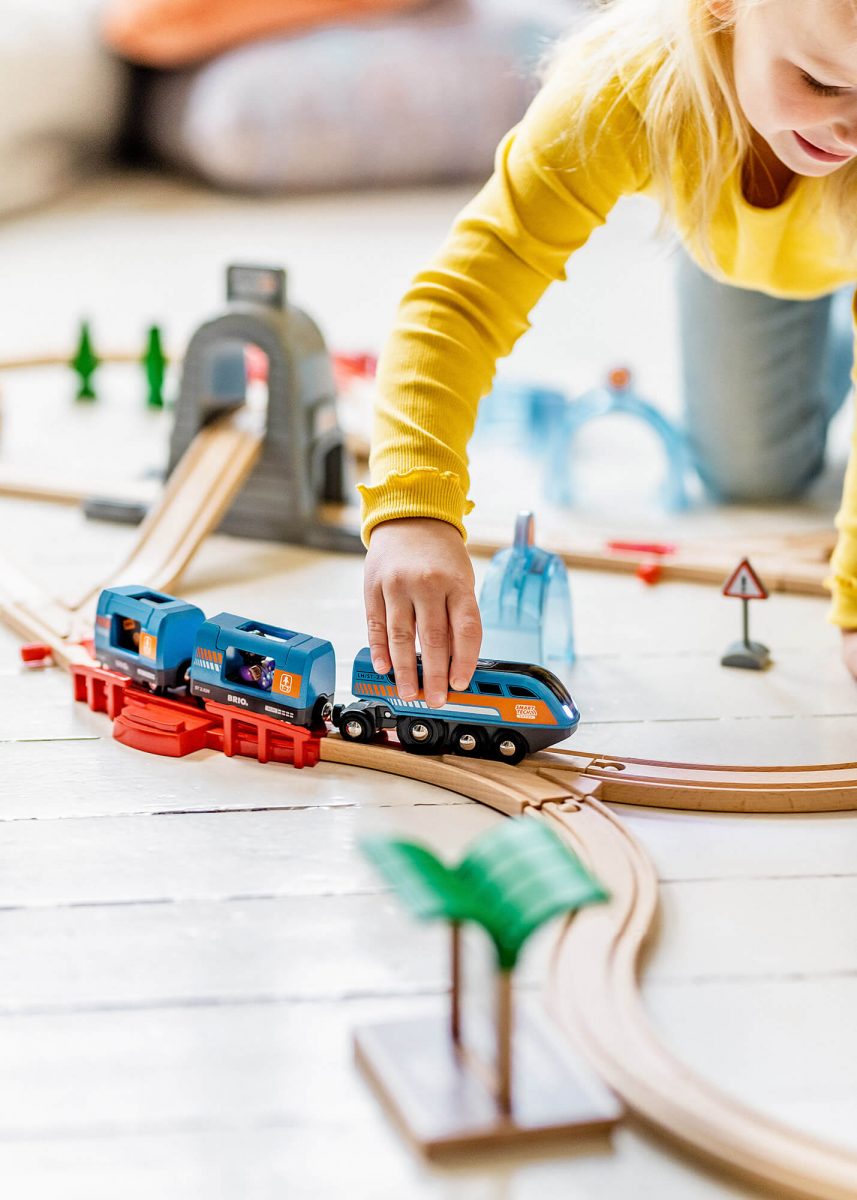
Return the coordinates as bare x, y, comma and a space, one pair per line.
146, 635
264, 669
507, 710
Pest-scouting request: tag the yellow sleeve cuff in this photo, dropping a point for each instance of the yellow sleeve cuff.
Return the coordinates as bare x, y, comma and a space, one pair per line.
418, 492
842, 582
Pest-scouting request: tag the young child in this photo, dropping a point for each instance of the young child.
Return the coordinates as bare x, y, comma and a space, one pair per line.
740, 117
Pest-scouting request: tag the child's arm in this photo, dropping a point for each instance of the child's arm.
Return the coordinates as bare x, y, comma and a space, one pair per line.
458, 318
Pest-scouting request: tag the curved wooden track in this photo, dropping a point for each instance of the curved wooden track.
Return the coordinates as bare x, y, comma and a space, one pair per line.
594, 986
199, 491
822, 787
205, 481
594, 989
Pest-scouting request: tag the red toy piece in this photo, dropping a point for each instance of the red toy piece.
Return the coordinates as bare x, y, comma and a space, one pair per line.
658, 548
364, 365
264, 738
160, 726
35, 653
102, 690
649, 572
174, 727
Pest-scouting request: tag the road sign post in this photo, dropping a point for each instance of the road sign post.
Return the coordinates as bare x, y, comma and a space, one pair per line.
745, 585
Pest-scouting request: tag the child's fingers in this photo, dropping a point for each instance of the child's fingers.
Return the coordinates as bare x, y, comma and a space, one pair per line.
401, 637
433, 627
376, 627
465, 625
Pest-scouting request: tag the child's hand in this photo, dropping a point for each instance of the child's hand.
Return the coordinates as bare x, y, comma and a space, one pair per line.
419, 579
849, 650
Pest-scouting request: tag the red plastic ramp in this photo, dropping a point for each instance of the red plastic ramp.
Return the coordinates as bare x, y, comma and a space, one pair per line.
161, 726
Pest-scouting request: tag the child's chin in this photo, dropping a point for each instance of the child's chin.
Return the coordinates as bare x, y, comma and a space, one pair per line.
816, 170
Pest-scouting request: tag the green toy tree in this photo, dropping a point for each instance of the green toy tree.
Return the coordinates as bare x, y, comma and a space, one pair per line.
84, 363
510, 882
155, 364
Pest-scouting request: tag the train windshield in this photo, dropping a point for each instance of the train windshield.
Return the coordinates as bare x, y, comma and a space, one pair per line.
541, 674
544, 677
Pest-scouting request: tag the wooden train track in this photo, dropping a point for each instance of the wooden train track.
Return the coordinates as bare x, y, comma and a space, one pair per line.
594, 987
199, 491
795, 563
197, 494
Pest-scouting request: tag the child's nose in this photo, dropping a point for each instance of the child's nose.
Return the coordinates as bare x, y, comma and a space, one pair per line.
845, 131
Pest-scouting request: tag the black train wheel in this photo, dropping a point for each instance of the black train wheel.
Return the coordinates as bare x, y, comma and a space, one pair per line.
421, 735
509, 746
469, 741
356, 727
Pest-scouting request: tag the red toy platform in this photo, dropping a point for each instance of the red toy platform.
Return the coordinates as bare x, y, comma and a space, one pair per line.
175, 727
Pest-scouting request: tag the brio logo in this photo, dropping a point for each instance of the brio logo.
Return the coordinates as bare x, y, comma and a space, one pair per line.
526, 712
232, 699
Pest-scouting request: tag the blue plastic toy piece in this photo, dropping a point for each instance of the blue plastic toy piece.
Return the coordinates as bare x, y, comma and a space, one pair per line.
265, 669
146, 635
618, 396
507, 710
520, 414
526, 603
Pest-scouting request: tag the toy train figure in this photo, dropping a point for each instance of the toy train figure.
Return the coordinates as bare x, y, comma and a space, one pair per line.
146, 635
507, 710
268, 670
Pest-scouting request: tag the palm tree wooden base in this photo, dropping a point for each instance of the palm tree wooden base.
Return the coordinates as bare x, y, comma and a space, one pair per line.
444, 1099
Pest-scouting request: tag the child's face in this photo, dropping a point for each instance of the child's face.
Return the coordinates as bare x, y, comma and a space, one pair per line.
796, 77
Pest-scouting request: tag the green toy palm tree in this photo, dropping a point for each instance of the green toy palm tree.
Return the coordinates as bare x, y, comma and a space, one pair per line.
510, 882
84, 363
155, 365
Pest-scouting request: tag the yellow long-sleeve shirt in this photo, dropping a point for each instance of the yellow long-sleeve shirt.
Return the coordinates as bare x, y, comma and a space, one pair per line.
541, 204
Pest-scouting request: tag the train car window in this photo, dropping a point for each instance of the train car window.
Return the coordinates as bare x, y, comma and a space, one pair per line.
268, 631
514, 690
489, 689
248, 669
541, 675
127, 633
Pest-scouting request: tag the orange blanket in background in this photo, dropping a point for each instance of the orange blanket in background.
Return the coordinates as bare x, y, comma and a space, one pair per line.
176, 33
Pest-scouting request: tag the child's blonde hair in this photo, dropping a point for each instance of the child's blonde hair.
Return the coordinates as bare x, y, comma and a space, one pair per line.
690, 101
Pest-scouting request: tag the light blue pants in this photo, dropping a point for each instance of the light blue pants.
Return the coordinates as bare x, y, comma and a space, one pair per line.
761, 379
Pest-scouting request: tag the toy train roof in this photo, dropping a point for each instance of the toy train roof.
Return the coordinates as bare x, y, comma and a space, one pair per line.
242, 631
491, 665
143, 601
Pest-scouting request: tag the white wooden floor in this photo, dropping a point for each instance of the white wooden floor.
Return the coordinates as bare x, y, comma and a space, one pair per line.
185, 945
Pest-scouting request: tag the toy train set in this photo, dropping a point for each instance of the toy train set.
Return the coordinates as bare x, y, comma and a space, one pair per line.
168, 675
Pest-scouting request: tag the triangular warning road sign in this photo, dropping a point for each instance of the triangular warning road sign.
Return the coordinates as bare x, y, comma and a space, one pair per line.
744, 583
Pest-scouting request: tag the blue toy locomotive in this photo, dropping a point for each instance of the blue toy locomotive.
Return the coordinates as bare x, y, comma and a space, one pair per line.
507, 710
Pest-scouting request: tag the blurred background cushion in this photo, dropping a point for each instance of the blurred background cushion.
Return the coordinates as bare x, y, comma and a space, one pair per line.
415, 99
61, 97
174, 33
